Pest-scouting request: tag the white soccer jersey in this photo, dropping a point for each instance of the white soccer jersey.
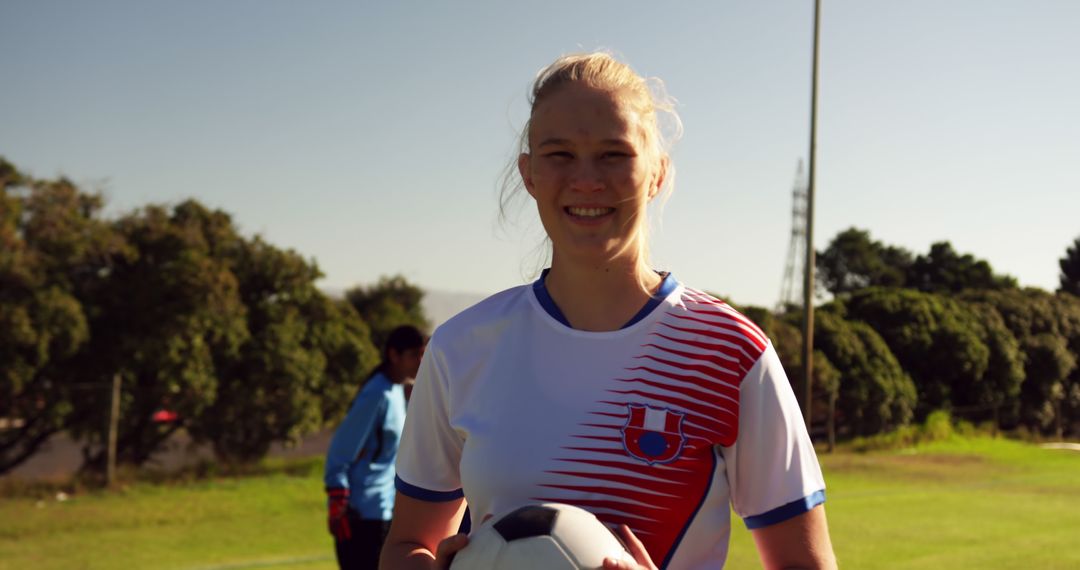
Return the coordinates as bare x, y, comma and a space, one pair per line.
660, 425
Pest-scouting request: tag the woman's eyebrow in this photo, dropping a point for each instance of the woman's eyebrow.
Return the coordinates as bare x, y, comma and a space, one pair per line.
566, 142
553, 142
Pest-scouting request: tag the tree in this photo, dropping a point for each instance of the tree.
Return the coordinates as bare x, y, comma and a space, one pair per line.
391, 302
350, 356
159, 321
942, 270
228, 335
999, 389
1047, 328
1050, 364
53, 246
937, 340
827, 380
1070, 269
299, 365
1067, 311
874, 393
853, 261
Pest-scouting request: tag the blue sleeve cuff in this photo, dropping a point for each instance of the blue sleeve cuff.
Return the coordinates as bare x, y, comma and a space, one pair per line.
425, 494
785, 512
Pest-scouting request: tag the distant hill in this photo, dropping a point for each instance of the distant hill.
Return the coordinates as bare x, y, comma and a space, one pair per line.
439, 306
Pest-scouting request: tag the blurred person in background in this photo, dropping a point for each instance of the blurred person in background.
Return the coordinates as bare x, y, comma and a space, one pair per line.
360, 471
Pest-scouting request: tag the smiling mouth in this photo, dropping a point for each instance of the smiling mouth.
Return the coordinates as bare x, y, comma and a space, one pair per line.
588, 213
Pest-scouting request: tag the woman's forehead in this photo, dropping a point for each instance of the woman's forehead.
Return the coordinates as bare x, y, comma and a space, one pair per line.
579, 110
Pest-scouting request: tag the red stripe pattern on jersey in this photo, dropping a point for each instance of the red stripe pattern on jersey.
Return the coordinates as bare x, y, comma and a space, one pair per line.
645, 458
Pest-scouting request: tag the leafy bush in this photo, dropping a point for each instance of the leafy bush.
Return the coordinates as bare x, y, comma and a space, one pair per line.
939, 426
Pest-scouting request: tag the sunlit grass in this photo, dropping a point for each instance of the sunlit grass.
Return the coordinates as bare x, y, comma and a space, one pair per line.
272, 520
955, 503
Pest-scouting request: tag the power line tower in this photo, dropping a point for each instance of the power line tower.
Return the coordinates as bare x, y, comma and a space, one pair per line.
790, 292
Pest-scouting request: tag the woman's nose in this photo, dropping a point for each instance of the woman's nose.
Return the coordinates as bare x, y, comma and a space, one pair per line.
586, 177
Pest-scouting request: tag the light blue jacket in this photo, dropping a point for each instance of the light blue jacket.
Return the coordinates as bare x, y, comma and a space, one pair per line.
362, 452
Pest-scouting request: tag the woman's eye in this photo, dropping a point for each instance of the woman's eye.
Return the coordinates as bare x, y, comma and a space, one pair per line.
562, 154
613, 154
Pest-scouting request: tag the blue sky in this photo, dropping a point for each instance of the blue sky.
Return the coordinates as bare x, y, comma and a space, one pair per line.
370, 136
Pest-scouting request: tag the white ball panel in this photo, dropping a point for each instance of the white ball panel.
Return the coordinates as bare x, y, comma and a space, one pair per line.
484, 549
585, 538
578, 541
536, 553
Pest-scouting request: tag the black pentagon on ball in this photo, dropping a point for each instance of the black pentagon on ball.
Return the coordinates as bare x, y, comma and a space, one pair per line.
525, 522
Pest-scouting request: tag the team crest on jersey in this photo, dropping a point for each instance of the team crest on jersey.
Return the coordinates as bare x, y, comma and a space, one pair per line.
653, 435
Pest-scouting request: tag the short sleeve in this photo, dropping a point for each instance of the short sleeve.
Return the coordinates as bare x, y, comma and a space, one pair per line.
772, 468
429, 455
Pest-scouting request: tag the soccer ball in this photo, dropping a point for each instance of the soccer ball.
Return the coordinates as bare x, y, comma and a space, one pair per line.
550, 536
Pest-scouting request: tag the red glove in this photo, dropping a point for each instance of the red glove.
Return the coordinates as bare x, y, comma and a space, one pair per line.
338, 507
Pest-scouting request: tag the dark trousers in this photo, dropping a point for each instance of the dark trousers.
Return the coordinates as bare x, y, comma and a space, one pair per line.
361, 552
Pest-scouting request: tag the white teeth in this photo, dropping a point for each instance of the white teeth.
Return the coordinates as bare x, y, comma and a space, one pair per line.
589, 212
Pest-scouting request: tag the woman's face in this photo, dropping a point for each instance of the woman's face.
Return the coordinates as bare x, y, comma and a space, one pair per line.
591, 173
406, 363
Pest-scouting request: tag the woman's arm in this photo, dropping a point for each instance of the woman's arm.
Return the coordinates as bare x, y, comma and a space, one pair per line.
350, 436
419, 531
799, 542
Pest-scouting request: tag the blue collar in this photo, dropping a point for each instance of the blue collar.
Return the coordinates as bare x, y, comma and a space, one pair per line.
666, 287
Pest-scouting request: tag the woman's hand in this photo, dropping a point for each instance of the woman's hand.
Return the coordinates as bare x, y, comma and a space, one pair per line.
444, 554
637, 550
447, 548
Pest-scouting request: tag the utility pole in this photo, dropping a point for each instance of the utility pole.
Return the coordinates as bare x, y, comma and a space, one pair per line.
808, 282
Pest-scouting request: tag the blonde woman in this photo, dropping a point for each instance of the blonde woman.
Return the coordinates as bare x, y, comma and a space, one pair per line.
606, 384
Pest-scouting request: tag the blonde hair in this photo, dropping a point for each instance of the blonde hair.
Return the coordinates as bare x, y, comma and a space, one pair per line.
600, 70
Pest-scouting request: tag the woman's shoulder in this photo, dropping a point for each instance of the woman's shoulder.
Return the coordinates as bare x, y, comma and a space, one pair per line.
375, 386
704, 309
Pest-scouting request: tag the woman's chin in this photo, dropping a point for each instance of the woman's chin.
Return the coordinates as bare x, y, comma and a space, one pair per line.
594, 251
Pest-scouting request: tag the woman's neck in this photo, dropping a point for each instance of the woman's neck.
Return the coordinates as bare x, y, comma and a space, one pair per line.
600, 297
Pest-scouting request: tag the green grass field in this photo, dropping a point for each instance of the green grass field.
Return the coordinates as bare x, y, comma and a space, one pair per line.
977, 503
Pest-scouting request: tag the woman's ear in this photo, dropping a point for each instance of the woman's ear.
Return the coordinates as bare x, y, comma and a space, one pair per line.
658, 176
524, 164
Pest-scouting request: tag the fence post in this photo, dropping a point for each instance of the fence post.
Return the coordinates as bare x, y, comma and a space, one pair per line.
114, 421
